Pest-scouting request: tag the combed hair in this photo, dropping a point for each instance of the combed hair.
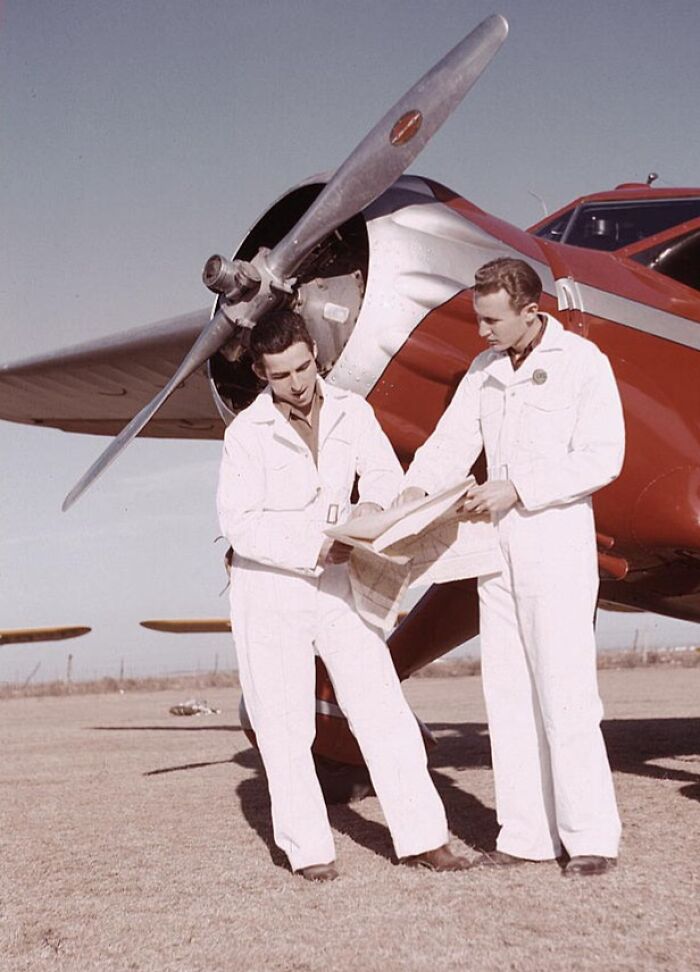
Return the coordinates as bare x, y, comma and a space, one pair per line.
516, 277
277, 331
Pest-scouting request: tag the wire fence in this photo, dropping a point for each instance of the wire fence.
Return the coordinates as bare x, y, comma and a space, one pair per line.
216, 677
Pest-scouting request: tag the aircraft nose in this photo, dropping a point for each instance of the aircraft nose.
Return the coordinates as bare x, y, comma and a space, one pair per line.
667, 513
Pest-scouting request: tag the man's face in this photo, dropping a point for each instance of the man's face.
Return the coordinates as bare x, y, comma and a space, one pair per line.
291, 375
502, 325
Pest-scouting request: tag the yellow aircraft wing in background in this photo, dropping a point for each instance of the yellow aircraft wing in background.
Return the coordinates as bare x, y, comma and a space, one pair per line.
16, 636
189, 625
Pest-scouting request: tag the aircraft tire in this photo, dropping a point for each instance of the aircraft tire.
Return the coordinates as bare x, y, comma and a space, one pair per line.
341, 783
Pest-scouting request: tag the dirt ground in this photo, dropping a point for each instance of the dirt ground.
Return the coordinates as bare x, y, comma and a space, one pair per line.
131, 839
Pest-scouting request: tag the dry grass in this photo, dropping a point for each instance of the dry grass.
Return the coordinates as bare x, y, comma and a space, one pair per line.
105, 686
442, 668
675, 658
136, 840
450, 668
684, 658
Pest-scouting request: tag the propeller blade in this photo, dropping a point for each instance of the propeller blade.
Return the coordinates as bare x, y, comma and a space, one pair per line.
213, 337
375, 164
387, 151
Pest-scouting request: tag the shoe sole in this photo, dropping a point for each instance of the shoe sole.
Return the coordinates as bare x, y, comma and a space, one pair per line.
590, 872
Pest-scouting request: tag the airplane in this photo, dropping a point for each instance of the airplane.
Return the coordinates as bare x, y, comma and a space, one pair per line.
22, 636
380, 265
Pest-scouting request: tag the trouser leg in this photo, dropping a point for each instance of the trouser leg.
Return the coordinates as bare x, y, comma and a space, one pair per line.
557, 625
519, 749
368, 691
272, 620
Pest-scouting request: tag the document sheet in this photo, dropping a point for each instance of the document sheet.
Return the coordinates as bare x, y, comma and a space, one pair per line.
420, 543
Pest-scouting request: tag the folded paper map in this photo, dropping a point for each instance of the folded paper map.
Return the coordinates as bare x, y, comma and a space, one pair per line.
419, 543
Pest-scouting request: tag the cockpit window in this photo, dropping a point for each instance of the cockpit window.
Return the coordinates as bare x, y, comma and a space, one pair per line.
610, 226
555, 230
677, 258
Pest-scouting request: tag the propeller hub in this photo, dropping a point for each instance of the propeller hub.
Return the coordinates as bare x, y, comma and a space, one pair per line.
232, 279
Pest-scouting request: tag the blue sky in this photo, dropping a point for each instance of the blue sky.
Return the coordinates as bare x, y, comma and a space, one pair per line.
138, 138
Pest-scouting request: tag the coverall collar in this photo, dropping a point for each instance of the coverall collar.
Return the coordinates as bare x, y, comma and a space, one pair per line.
263, 411
500, 368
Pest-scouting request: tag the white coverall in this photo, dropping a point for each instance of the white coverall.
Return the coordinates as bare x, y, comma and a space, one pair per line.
555, 429
274, 503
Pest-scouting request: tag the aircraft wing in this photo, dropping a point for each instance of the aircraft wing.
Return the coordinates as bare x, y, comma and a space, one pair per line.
189, 625
19, 636
98, 386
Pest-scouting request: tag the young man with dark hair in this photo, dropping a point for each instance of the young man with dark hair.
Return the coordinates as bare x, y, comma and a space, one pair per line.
288, 468
543, 404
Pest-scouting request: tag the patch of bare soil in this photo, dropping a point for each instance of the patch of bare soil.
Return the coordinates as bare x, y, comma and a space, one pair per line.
132, 839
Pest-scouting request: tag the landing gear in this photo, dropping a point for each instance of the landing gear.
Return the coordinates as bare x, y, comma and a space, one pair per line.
342, 783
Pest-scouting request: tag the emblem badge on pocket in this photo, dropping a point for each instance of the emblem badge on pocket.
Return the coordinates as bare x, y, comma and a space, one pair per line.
539, 376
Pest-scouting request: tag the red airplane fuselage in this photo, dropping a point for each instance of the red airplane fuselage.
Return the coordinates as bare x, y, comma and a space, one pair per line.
648, 520
640, 303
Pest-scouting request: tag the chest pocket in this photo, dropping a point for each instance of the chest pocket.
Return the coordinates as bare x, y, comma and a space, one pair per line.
549, 416
290, 482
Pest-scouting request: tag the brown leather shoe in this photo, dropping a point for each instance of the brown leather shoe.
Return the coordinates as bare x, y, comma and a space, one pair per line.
318, 872
496, 858
586, 865
440, 859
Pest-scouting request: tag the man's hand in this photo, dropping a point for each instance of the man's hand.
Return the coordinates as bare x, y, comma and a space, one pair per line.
409, 496
364, 509
492, 498
337, 552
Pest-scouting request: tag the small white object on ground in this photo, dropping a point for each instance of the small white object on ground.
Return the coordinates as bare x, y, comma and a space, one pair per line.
193, 707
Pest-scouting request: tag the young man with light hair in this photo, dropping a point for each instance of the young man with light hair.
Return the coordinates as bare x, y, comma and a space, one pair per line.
289, 464
543, 404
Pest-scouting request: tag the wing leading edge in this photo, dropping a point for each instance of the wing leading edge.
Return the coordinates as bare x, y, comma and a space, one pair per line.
20, 636
98, 386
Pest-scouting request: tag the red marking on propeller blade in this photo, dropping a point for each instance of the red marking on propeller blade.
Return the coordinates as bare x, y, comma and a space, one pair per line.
406, 128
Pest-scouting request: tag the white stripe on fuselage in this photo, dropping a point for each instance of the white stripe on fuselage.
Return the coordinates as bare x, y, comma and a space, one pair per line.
322, 708
641, 317
423, 253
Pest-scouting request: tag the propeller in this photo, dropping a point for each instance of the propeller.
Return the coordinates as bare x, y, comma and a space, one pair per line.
248, 290
394, 142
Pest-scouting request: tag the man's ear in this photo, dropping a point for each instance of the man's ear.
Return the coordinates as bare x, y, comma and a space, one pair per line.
259, 371
314, 350
531, 311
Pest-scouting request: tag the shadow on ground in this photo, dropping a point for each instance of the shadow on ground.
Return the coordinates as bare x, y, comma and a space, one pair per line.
635, 746
255, 803
167, 728
468, 818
